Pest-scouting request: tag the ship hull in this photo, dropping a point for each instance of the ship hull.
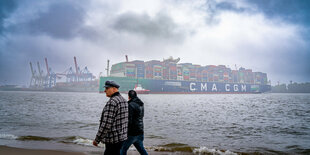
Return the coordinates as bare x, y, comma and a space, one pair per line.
185, 87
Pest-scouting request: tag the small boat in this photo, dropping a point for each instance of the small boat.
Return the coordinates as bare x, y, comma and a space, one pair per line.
140, 90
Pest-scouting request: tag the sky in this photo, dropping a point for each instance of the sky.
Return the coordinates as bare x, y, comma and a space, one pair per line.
270, 36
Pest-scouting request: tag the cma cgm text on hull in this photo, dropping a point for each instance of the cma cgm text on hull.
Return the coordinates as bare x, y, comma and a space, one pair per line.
191, 87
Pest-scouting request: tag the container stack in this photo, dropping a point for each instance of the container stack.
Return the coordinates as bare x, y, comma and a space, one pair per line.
249, 76
192, 73
234, 74
118, 70
212, 73
169, 69
241, 75
153, 69
264, 78
140, 68
204, 74
186, 67
173, 71
179, 72
220, 71
130, 70
260, 78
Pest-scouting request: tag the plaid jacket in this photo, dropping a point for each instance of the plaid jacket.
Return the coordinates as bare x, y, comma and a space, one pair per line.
114, 120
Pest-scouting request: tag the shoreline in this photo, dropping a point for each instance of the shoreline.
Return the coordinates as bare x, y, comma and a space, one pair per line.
8, 150
22, 151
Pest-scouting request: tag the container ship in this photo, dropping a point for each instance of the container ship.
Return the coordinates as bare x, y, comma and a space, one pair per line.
170, 76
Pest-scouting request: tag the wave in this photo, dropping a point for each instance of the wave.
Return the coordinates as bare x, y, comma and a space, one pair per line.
78, 140
205, 150
34, 138
155, 137
170, 147
81, 141
8, 136
179, 147
175, 147
24, 138
70, 139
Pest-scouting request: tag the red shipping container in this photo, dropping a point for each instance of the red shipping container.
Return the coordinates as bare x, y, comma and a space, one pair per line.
186, 77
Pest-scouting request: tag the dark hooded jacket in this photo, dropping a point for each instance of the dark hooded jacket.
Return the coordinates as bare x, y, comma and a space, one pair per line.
136, 113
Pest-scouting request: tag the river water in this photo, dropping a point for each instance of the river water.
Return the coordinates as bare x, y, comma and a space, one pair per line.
194, 124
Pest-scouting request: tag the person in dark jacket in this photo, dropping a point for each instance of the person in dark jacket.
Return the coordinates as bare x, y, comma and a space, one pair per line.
135, 124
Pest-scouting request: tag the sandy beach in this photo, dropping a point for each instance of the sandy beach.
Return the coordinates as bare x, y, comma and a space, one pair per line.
19, 151
5, 150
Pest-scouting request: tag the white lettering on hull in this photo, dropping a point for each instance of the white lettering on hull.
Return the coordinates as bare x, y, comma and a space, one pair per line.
243, 88
204, 87
214, 87
236, 88
191, 85
227, 87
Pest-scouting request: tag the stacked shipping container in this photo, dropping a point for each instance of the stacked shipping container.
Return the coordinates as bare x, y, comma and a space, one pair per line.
140, 68
170, 70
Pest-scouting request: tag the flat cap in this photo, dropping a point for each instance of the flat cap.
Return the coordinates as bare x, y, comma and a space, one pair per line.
111, 84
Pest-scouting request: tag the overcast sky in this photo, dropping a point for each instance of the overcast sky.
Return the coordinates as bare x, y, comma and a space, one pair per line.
271, 36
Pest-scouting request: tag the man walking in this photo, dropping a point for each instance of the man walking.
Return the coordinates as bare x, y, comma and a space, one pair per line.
114, 121
135, 124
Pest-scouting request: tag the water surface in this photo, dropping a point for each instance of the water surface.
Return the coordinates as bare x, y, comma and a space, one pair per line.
202, 123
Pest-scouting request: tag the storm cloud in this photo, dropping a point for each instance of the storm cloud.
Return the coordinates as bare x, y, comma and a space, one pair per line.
6, 8
289, 10
270, 36
60, 21
159, 27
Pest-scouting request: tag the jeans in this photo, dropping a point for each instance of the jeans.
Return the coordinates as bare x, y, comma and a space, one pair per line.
113, 149
137, 141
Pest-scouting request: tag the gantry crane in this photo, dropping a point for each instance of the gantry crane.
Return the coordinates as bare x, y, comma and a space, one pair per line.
33, 80
50, 78
39, 80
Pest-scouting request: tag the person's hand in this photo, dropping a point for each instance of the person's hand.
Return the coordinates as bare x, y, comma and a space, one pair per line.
95, 143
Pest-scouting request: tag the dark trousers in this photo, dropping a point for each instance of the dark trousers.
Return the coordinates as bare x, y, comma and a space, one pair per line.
113, 149
137, 141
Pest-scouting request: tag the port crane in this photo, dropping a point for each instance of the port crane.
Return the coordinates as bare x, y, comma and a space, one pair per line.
33, 80
40, 80
77, 75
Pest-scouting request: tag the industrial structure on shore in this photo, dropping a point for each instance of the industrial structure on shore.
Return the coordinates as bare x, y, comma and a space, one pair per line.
75, 79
